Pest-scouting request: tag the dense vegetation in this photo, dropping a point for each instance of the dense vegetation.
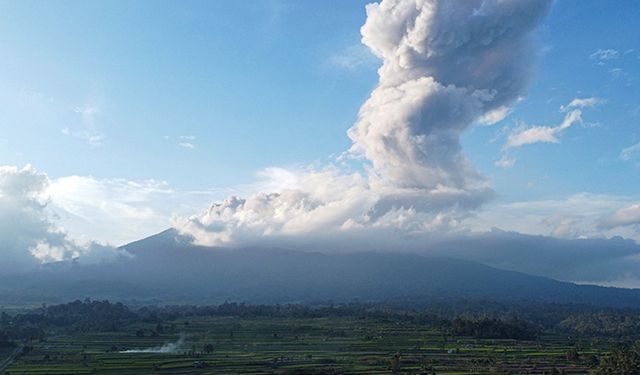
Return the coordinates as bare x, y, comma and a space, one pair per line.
602, 340
469, 318
493, 329
615, 323
624, 360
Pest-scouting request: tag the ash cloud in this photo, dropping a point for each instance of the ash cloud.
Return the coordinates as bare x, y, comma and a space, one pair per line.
445, 66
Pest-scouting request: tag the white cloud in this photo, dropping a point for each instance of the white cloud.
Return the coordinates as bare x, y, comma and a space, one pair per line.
505, 162
494, 116
109, 209
605, 54
185, 141
574, 216
29, 235
187, 145
581, 103
564, 225
630, 152
625, 216
119, 211
276, 179
619, 73
526, 135
628, 280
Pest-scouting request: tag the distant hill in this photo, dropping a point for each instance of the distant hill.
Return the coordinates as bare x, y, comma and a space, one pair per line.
167, 268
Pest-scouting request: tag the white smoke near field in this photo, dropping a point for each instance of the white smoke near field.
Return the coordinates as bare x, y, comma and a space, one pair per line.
445, 66
168, 348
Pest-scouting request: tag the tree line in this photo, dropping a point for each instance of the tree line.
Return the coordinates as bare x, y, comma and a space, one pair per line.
480, 319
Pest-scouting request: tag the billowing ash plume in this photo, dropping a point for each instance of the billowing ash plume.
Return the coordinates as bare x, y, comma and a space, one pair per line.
445, 66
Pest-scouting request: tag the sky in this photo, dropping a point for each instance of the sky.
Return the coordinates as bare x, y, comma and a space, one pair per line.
121, 119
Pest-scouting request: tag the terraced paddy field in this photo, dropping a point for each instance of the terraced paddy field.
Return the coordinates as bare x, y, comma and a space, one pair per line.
233, 345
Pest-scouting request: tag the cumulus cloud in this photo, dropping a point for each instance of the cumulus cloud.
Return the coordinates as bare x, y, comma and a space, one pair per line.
28, 234
445, 66
527, 135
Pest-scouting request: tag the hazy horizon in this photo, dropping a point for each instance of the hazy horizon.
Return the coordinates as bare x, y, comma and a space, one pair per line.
499, 132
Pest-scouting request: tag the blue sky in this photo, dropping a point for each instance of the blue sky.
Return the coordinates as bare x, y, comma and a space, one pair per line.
193, 99
253, 84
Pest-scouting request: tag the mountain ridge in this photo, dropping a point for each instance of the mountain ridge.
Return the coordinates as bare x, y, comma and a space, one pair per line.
167, 267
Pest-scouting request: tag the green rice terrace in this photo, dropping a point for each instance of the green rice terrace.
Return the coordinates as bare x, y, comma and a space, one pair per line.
103, 338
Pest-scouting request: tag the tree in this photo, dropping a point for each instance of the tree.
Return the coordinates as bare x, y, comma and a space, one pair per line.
572, 354
394, 364
208, 348
4, 318
624, 360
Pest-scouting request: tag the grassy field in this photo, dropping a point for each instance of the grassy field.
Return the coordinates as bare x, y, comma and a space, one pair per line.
298, 346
